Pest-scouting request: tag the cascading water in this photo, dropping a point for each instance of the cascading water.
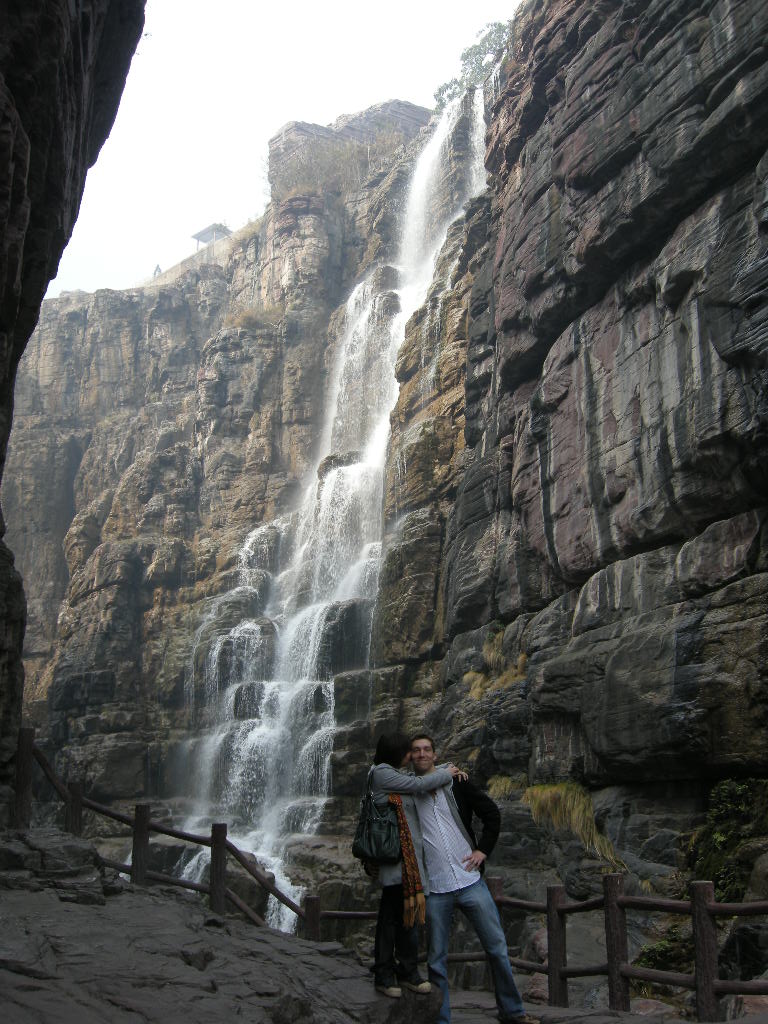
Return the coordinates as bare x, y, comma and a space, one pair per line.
308, 580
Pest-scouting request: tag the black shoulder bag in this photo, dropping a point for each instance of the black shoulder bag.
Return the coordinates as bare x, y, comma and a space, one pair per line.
377, 837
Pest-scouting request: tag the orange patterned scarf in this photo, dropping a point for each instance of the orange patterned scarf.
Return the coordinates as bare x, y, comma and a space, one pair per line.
414, 904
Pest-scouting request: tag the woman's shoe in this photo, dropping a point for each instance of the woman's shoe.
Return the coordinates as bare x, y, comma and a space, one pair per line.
417, 984
393, 991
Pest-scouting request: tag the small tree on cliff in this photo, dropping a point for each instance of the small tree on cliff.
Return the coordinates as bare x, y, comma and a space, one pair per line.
476, 61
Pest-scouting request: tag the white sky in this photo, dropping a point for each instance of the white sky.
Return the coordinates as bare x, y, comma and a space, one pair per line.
208, 86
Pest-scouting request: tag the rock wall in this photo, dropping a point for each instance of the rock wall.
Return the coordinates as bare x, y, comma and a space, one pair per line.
622, 429
578, 590
62, 71
155, 428
575, 579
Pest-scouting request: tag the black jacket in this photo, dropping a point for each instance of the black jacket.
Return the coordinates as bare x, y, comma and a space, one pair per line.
470, 800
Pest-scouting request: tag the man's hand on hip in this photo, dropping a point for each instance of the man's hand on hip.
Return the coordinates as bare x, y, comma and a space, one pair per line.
474, 860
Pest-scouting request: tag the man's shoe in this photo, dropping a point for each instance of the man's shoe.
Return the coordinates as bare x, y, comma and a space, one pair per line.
417, 985
393, 991
522, 1018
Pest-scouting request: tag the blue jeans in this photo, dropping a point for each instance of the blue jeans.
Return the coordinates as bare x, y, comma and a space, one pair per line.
477, 904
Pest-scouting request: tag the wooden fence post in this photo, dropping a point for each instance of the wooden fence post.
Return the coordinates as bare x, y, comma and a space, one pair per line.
73, 810
616, 945
556, 952
705, 950
218, 872
312, 918
22, 810
140, 852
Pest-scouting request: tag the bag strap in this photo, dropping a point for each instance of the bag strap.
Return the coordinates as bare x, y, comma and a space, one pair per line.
368, 795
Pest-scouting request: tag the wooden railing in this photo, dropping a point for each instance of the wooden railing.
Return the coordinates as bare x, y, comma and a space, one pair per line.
142, 826
703, 910
701, 907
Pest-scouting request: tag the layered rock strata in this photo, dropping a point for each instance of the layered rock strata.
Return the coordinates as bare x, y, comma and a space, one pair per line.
62, 71
574, 586
173, 419
592, 597
574, 577
622, 425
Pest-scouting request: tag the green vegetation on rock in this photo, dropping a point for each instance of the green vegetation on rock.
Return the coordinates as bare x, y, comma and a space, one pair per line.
476, 61
723, 850
674, 952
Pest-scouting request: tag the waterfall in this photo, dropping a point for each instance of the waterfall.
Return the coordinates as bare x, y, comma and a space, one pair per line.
266, 655
493, 83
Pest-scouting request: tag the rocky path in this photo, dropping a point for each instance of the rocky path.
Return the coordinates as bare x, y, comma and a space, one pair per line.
479, 1008
150, 956
79, 948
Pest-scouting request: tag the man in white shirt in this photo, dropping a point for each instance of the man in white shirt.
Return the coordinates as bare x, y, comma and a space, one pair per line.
454, 861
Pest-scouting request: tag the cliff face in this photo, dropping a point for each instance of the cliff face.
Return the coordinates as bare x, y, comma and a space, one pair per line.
575, 574
575, 581
62, 70
613, 508
602, 592
171, 420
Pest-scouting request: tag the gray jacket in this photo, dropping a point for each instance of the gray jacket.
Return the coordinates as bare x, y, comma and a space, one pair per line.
386, 780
